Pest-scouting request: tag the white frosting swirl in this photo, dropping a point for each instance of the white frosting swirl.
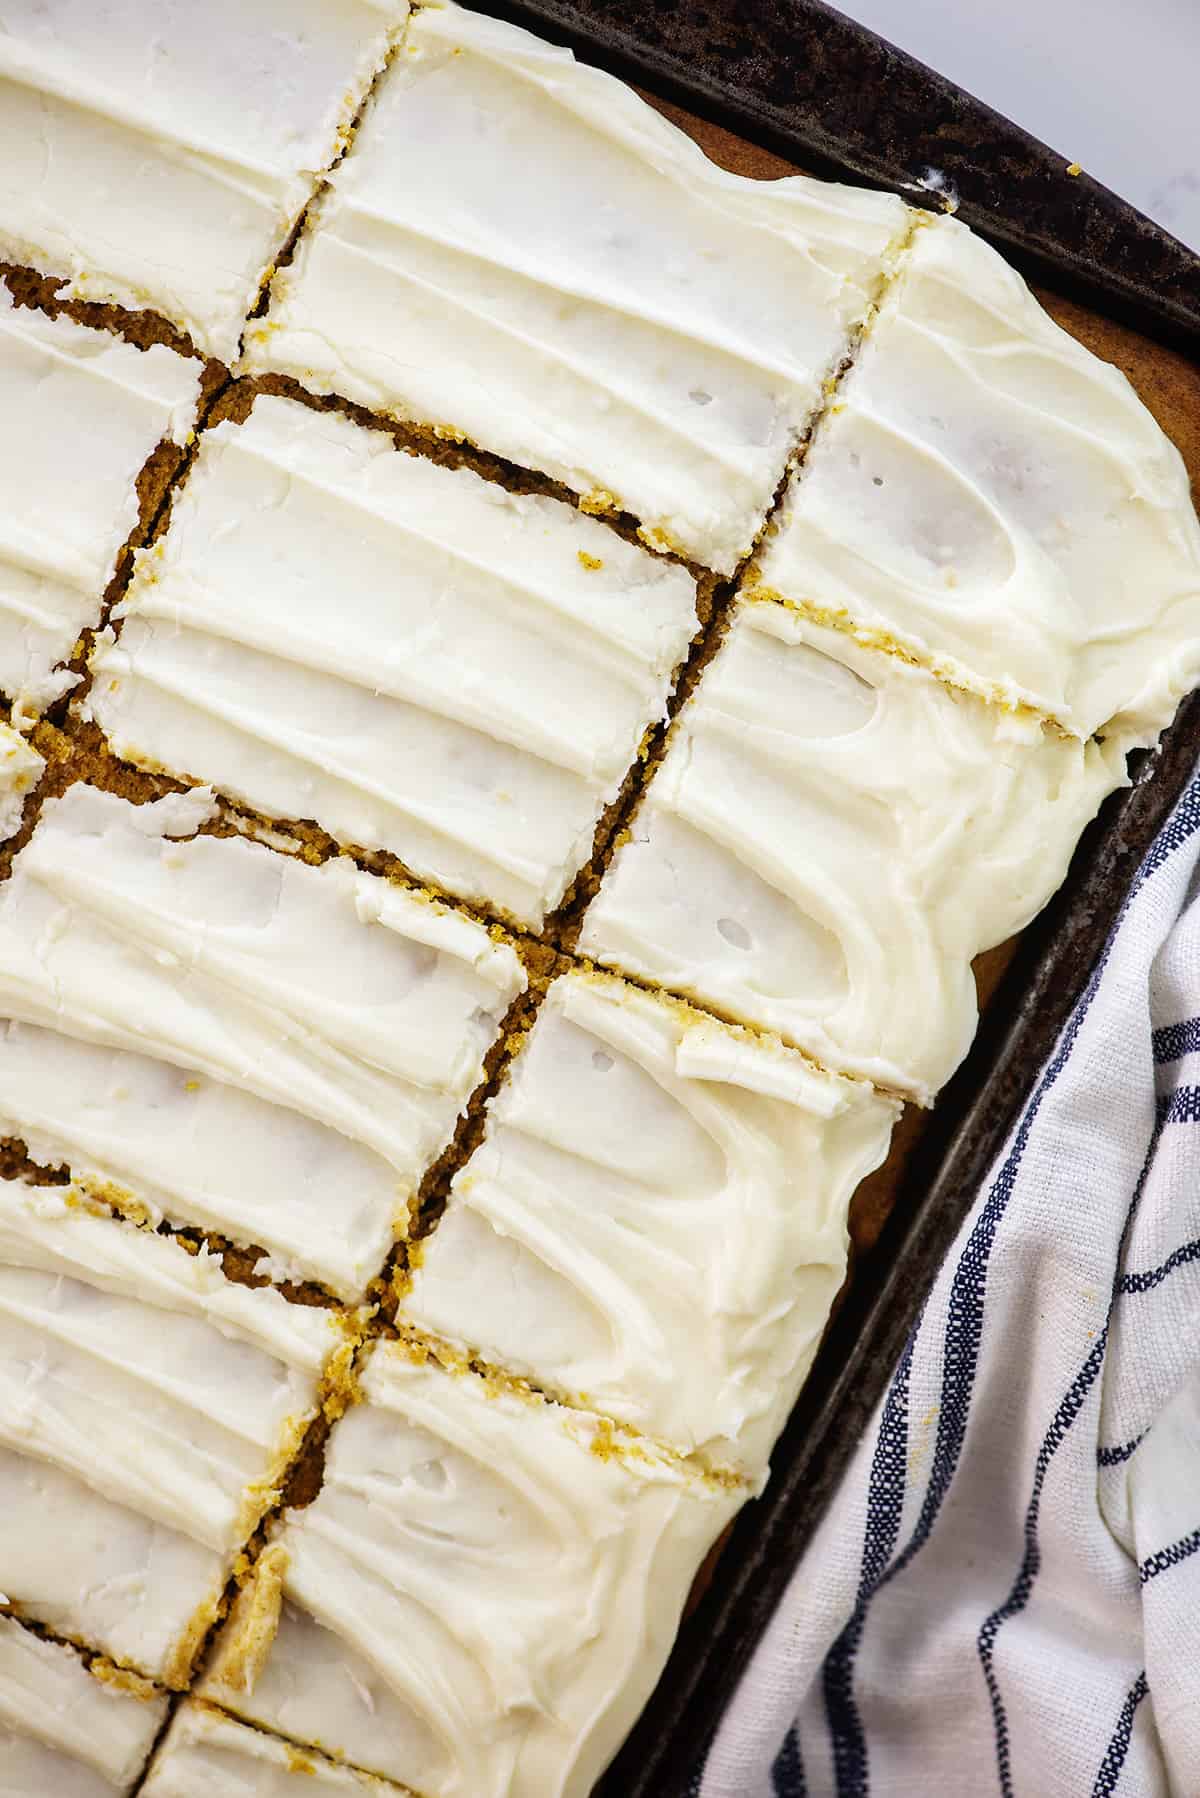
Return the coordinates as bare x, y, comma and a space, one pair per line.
832, 838
63, 1733
520, 249
999, 500
80, 412
416, 658
180, 152
480, 1598
656, 1219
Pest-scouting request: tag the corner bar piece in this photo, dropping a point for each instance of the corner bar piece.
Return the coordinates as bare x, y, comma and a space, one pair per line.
655, 1223
80, 412
206, 1754
481, 1597
574, 285
831, 839
997, 500
415, 658
160, 1402
206, 1029
179, 165
64, 1733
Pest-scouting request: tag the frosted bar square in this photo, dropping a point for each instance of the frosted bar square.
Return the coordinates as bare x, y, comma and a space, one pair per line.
520, 251
831, 839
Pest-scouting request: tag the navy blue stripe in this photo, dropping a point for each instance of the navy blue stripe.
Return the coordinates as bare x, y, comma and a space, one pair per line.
1151, 1277
965, 1305
1184, 821
885, 1505
1119, 1452
1183, 825
960, 1359
1180, 1106
1068, 1410
1166, 1558
1173, 1041
1069, 1407
1118, 1748
787, 1775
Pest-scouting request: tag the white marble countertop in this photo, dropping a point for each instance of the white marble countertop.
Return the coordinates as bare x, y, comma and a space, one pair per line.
1115, 87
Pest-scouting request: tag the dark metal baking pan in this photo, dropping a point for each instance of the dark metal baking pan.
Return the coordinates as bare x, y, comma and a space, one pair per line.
803, 80
941, 1179
797, 78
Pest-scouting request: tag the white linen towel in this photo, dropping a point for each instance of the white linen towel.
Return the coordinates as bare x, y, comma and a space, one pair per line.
1005, 1596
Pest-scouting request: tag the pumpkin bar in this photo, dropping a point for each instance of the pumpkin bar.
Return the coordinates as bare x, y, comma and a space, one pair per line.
163, 163
996, 500
655, 1222
482, 1595
519, 251
80, 412
204, 1028
64, 1732
411, 656
832, 837
161, 1403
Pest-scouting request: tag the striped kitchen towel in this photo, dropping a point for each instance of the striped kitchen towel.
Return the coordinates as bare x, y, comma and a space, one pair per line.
1005, 1597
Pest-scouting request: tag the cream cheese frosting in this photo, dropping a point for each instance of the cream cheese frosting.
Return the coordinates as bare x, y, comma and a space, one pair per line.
80, 411
832, 837
408, 654
148, 1135
20, 769
137, 1370
655, 1222
204, 1752
209, 982
997, 499
63, 1732
136, 1366
104, 1573
519, 250
481, 1596
165, 165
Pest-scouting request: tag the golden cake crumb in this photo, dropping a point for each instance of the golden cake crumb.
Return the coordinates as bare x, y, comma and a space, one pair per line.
122, 1680
244, 1653
599, 500
340, 1387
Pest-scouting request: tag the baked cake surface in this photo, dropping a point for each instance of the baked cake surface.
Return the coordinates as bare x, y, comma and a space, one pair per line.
832, 837
412, 656
184, 149
138, 1370
468, 1601
63, 1732
999, 500
575, 285
314, 1030
655, 1223
80, 412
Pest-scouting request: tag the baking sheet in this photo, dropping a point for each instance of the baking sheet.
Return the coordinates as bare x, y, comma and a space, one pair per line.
823, 91
905, 1216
